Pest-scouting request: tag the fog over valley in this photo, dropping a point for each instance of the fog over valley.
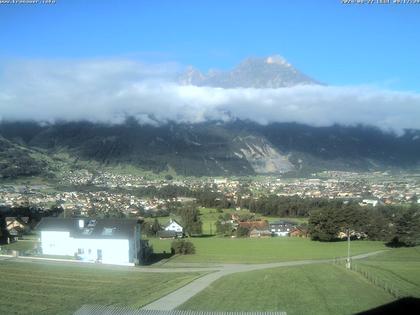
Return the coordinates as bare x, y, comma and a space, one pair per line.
109, 90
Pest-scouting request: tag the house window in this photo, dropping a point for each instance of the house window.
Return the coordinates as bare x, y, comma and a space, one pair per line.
80, 251
89, 251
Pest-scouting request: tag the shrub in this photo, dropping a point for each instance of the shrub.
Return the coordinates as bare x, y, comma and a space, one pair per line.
182, 247
242, 231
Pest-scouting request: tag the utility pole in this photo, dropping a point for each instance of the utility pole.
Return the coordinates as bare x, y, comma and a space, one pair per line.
348, 263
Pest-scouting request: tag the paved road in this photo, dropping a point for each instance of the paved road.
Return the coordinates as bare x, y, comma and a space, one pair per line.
178, 297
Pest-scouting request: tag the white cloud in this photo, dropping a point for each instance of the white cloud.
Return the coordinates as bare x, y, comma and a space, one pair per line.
109, 90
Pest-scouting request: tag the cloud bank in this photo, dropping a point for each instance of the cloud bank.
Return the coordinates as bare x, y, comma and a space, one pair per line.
111, 90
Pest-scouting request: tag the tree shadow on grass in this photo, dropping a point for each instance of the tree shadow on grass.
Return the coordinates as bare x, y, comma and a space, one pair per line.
157, 257
406, 306
203, 236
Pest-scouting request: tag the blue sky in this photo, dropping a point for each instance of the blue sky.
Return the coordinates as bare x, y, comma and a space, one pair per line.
103, 60
334, 43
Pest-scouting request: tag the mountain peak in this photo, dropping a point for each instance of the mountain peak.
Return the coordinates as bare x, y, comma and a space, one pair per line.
267, 72
277, 59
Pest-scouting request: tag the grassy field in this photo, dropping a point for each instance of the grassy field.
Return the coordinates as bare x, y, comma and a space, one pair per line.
33, 288
20, 245
398, 269
209, 216
314, 289
247, 250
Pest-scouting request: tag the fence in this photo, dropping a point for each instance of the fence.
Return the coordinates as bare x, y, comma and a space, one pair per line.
372, 278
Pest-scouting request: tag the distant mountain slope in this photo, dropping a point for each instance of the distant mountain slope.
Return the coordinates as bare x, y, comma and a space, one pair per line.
269, 72
213, 148
340, 147
16, 161
240, 148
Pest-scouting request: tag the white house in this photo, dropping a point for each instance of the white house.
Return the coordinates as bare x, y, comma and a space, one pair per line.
281, 228
174, 227
110, 241
369, 202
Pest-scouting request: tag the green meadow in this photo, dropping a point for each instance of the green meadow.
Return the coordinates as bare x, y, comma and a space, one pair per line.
248, 250
397, 269
312, 289
317, 289
42, 288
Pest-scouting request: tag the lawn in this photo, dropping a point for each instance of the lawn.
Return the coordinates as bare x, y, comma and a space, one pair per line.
21, 245
398, 269
247, 250
38, 288
311, 289
208, 217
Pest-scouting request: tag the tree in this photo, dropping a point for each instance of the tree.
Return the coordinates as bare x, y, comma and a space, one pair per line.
407, 228
182, 247
323, 225
190, 219
242, 231
378, 226
155, 228
224, 227
146, 228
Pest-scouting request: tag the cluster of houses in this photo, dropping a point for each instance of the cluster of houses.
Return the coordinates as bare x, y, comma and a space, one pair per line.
263, 228
258, 229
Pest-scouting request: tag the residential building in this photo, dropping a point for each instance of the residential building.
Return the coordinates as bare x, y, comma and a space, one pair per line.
282, 228
256, 233
110, 241
175, 227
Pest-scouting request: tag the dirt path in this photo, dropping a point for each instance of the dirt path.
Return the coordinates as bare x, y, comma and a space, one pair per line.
178, 297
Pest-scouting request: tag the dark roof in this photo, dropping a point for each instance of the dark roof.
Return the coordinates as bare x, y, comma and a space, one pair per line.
93, 228
22, 220
254, 224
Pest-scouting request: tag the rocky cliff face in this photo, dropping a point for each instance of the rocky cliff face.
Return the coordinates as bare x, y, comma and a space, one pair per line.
263, 157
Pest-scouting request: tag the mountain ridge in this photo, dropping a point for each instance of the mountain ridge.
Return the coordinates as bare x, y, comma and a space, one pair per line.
221, 149
267, 72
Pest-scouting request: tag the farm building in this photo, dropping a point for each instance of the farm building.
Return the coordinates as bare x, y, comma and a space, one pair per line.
255, 233
282, 228
259, 225
111, 241
299, 231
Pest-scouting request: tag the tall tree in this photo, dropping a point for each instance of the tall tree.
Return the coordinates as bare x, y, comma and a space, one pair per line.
155, 228
190, 218
324, 225
407, 228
